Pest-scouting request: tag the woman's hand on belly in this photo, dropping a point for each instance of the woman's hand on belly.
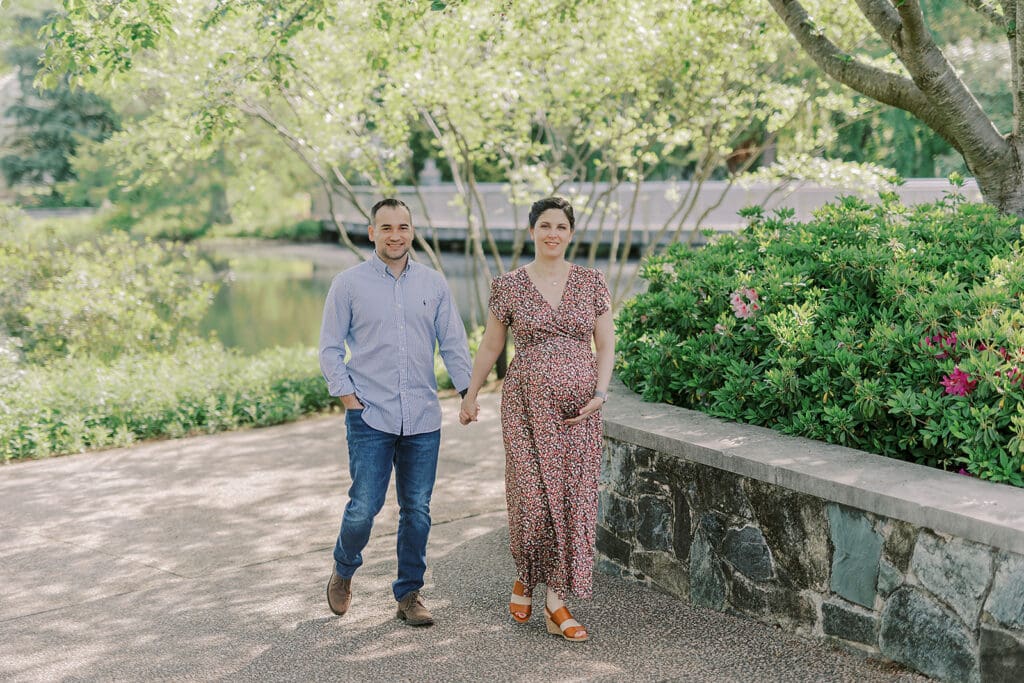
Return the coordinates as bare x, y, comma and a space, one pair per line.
592, 406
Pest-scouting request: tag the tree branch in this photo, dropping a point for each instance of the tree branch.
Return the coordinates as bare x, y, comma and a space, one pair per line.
299, 149
878, 84
884, 18
988, 11
1016, 39
920, 38
935, 76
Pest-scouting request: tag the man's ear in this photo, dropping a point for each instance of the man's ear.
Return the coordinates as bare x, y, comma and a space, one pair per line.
369, 232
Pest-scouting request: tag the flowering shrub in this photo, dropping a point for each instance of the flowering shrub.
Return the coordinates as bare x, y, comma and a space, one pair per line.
897, 330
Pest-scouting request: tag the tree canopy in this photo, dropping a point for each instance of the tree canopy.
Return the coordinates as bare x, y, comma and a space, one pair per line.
576, 97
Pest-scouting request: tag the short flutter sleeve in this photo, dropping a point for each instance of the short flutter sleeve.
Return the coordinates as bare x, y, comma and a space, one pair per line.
602, 297
500, 302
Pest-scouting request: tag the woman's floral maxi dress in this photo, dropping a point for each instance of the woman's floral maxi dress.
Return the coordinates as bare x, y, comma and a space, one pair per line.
551, 469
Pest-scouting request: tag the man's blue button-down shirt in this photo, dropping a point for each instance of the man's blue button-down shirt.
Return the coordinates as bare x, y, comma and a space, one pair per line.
390, 326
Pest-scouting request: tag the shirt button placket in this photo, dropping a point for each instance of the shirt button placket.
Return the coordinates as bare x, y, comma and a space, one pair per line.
403, 353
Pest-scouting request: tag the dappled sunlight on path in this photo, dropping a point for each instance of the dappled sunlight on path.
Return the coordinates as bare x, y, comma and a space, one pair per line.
207, 558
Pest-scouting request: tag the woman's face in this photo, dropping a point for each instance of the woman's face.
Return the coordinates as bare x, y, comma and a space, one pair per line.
551, 233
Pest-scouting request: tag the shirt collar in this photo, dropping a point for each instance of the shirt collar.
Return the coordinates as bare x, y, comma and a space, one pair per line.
378, 264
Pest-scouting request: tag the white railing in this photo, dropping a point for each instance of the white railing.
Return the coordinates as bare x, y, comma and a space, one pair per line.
655, 207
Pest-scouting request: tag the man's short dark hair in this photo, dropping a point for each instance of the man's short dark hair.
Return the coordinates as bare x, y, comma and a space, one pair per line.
391, 203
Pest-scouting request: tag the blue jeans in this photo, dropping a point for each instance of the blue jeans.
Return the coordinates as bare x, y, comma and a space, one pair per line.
371, 455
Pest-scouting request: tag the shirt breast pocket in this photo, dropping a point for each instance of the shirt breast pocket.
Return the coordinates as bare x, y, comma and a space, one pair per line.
427, 304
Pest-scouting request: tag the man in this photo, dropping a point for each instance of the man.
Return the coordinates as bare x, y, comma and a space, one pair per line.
390, 311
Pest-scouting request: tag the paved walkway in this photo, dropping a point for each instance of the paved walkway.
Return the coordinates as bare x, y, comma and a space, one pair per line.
206, 559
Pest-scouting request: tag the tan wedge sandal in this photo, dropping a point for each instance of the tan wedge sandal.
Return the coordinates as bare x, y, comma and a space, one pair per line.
575, 634
519, 612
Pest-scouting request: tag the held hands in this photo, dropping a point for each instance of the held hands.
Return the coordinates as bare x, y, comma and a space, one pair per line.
469, 411
593, 406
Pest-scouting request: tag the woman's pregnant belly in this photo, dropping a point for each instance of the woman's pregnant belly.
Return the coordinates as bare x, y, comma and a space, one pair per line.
562, 373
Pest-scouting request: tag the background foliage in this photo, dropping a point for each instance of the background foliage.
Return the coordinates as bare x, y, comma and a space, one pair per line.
50, 124
99, 347
586, 98
898, 140
893, 330
100, 298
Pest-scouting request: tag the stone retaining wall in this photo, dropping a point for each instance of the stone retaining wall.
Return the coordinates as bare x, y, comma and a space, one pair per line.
902, 562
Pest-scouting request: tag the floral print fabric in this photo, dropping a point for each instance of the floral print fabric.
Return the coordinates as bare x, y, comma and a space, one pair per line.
551, 469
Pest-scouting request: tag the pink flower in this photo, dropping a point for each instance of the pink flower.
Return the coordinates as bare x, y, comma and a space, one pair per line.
720, 329
744, 303
958, 383
1013, 375
965, 472
946, 344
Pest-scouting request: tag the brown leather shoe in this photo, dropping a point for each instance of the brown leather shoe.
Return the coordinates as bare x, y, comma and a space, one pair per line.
412, 611
339, 593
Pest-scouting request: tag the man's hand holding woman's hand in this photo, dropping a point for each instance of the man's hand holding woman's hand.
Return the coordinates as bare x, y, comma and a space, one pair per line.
469, 411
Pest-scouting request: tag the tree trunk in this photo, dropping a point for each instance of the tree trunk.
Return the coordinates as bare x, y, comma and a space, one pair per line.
1001, 178
220, 209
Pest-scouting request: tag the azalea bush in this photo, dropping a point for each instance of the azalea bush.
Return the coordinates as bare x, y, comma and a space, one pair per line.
897, 330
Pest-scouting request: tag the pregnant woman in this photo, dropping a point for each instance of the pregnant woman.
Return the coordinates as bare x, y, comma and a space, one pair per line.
550, 414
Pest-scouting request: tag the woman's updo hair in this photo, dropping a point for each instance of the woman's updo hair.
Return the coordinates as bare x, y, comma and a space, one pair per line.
542, 205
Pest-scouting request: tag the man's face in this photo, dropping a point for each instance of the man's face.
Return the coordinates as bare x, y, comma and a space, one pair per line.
392, 233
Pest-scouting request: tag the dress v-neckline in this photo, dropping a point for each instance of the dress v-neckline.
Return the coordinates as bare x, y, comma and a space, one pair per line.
561, 297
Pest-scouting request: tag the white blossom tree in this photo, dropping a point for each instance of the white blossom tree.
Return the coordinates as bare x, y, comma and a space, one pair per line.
575, 96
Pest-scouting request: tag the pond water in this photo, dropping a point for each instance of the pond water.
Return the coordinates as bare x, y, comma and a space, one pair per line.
273, 294
256, 313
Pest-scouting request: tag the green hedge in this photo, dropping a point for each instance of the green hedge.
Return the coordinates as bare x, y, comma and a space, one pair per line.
72, 406
890, 329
